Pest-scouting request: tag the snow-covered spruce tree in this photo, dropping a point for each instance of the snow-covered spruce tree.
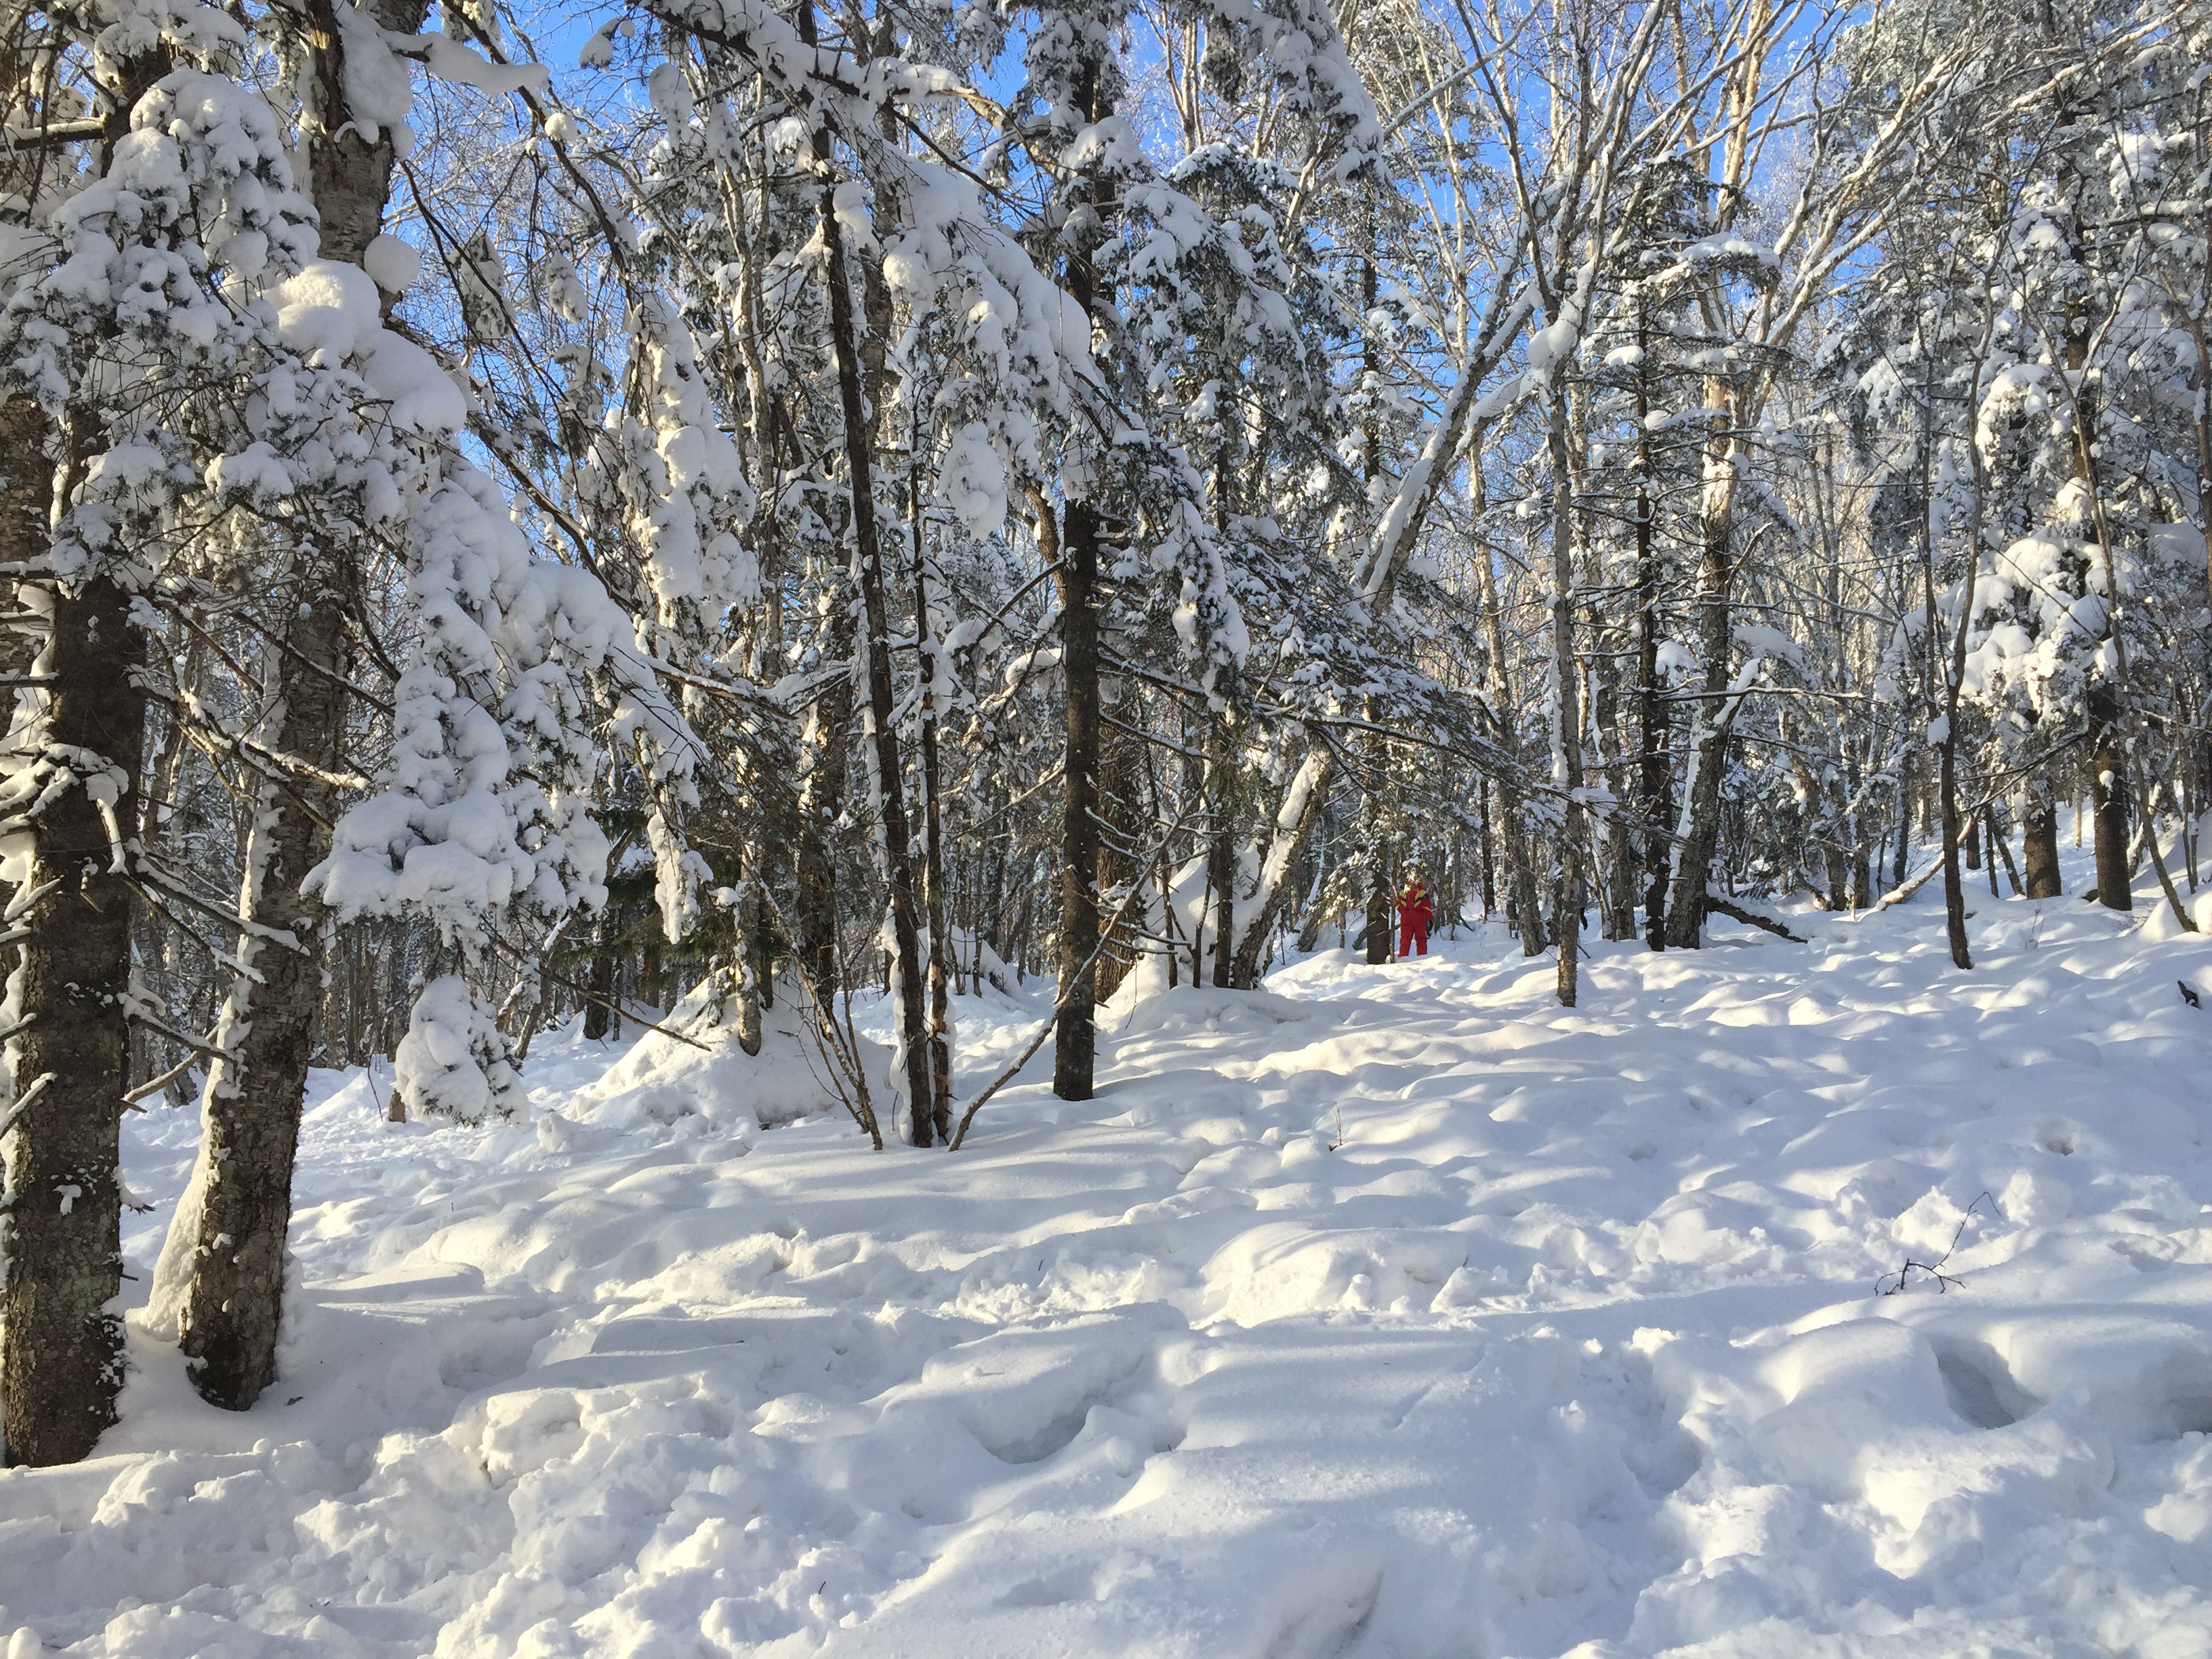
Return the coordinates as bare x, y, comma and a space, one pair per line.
1311, 469
872, 201
1561, 137
523, 671
219, 1286
517, 673
624, 407
373, 418
2071, 578
1640, 473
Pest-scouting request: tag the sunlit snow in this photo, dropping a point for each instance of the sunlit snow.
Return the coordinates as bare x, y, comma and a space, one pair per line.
1386, 1312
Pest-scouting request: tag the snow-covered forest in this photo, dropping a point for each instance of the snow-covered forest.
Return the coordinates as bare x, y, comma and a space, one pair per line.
933, 574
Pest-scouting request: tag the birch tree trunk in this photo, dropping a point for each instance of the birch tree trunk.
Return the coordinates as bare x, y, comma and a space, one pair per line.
1699, 824
224, 1257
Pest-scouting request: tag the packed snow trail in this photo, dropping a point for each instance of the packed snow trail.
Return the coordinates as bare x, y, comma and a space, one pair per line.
1386, 1312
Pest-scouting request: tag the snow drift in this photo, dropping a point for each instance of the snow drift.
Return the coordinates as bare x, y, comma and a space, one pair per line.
1391, 1313
693, 1074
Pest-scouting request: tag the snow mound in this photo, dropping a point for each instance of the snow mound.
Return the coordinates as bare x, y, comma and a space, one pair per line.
693, 1074
1196, 1011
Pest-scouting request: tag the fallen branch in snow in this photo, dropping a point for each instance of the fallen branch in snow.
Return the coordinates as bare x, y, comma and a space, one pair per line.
1934, 1269
2148, 819
1735, 912
1905, 890
1044, 1028
622, 1011
1059, 1006
1968, 818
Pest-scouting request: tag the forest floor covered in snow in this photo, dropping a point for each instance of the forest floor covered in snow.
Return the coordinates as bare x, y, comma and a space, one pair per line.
1387, 1312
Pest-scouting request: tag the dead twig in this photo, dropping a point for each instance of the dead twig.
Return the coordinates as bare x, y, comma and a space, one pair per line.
1066, 996
1934, 1269
1736, 912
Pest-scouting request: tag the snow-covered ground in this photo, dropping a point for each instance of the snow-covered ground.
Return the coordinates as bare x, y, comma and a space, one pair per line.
1387, 1312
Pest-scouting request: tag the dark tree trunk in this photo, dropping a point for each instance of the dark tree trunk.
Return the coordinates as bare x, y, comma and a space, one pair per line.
1620, 855
1653, 803
761, 943
598, 1012
1379, 890
1953, 827
1566, 732
1221, 847
1520, 857
1378, 903
1075, 1033
1489, 863
749, 956
1904, 783
2039, 841
821, 799
876, 662
1121, 805
933, 841
61, 1269
1074, 1036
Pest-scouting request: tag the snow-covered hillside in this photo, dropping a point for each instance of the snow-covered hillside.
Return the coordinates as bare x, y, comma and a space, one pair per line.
1386, 1312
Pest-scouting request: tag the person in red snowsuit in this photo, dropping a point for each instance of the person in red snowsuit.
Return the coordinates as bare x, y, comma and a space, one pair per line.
1415, 912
